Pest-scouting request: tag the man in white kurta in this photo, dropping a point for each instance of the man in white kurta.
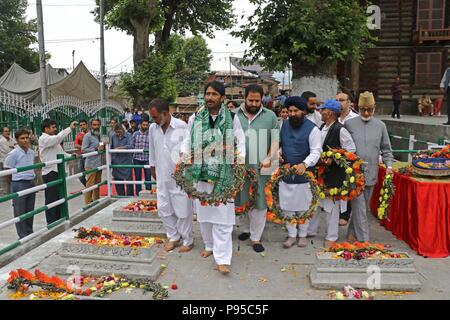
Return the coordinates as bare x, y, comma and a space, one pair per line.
333, 136
216, 222
174, 206
301, 145
346, 114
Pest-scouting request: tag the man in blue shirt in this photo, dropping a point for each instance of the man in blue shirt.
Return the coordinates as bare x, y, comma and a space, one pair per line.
122, 140
22, 156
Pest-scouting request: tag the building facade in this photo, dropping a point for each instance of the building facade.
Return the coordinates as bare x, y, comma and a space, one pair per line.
414, 44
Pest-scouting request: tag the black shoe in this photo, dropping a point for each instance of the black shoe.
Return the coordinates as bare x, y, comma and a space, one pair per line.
244, 236
258, 247
446, 123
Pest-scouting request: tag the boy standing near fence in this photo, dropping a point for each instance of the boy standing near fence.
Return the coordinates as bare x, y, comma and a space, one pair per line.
22, 156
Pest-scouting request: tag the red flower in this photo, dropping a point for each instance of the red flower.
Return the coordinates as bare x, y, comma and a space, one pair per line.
12, 276
25, 274
174, 287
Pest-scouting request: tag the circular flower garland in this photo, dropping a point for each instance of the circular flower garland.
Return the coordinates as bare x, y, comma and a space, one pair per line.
239, 174
271, 190
354, 179
252, 192
386, 193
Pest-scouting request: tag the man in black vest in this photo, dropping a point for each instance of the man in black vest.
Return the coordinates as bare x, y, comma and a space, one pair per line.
334, 136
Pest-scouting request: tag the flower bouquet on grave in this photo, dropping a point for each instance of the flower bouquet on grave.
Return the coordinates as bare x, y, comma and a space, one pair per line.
362, 250
142, 205
104, 237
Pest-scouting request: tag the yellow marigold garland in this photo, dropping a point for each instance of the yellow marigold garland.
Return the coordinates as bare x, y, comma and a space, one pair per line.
354, 180
386, 193
271, 190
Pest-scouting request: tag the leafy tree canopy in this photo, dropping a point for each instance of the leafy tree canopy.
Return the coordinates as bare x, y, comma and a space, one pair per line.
307, 32
16, 36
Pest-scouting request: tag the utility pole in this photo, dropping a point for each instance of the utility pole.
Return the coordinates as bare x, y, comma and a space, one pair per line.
231, 81
73, 59
102, 53
42, 63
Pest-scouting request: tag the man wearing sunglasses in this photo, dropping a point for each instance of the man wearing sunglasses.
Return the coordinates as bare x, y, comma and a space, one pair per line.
371, 139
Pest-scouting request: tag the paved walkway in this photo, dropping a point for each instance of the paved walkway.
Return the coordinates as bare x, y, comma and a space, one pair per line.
434, 120
253, 276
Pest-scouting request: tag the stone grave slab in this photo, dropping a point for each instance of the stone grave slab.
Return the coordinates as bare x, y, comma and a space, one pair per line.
132, 262
393, 273
104, 267
147, 195
143, 229
73, 249
119, 214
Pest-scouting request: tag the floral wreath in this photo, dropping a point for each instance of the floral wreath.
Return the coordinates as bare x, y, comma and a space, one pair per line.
271, 190
354, 179
386, 193
21, 280
239, 174
252, 192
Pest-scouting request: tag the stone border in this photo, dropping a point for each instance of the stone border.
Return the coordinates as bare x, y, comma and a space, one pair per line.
73, 249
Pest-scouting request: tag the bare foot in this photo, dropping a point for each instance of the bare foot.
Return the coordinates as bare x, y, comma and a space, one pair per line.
351, 238
171, 245
223, 269
205, 253
184, 249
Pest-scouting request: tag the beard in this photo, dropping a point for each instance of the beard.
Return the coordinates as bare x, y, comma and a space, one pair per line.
96, 132
296, 121
310, 110
366, 119
252, 110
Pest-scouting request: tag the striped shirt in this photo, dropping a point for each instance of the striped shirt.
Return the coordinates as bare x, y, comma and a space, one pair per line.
141, 141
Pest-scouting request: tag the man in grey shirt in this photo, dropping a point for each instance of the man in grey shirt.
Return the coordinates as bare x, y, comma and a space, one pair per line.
371, 139
92, 142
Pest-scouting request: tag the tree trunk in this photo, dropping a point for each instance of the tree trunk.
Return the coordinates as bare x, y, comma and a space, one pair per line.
140, 40
320, 79
162, 37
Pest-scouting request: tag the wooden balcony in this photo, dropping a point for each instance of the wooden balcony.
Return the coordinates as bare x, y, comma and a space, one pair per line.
427, 35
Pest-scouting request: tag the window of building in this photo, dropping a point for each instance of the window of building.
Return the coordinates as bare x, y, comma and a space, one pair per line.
428, 67
430, 14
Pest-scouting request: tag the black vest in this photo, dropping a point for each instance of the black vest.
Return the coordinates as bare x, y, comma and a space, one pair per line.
334, 175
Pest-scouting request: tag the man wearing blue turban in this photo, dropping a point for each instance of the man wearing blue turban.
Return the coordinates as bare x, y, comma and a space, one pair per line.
301, 144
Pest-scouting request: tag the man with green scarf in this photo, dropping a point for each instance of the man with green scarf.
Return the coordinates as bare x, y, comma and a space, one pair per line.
262, 133
214, 134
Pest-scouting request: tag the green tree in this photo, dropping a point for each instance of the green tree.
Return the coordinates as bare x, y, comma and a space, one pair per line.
153, 78
177, 71
140, 18
16, 36
136, 18
311, 35
192, 60
197, 16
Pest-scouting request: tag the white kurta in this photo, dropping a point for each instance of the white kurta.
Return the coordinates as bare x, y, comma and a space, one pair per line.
297, 197
352, 114
164, 153
315, 117
222, 214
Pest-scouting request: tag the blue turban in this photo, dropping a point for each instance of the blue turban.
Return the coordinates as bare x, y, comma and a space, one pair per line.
297, 102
